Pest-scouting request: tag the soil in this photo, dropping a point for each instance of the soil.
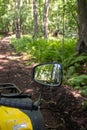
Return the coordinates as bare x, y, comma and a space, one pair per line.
62, 106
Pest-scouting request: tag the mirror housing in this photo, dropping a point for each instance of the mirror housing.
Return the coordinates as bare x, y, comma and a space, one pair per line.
49, 74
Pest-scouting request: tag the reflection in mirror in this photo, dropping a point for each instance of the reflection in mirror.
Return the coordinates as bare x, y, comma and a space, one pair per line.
48, 74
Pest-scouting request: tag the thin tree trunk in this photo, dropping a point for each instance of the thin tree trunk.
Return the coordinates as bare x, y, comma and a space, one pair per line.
35, 16
18, 22
45, 18
82, 28
18, 31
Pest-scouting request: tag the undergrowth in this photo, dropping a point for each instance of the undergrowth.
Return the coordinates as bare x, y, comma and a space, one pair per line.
41, 50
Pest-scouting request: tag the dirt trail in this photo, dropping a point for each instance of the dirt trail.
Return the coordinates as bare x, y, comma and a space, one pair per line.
61, 107
13, 68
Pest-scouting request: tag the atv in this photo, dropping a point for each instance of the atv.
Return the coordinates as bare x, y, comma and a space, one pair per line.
17, 109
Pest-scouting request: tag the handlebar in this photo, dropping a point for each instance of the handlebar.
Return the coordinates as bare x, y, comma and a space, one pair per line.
23, 103
15, 98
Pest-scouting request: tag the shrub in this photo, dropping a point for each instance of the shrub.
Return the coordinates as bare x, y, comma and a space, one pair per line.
41, 50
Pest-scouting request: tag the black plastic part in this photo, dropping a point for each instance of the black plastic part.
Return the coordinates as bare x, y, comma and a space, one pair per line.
36, 119
16, 95
21, 103
10, 86
9, 90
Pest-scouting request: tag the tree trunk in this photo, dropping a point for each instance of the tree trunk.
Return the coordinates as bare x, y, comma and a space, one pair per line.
18, 6
35, 16
45, 18
82, 28
18, 30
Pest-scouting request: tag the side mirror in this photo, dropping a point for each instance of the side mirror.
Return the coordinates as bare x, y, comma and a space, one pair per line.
49, 74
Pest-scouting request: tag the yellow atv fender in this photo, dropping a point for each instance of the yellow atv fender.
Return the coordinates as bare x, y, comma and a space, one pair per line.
20, 114
14, 119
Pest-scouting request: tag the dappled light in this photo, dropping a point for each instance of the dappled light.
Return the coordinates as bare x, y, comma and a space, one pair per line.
42, 31
11, 66
76, 95
14, 58
17, 68
5, 61
1, 67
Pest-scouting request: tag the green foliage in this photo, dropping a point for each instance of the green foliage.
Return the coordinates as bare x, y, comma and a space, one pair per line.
45, 50
78, 80
74, 60
1, 36
41, 50
9, 13
84, 104
67, 11
75, 72
20, 44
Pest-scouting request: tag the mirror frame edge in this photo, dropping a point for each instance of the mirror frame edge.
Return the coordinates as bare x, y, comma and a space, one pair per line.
44, 64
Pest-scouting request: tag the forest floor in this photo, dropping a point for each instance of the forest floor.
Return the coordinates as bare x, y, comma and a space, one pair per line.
61, 107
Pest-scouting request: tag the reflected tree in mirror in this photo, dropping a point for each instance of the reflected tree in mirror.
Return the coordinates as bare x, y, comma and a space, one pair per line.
48, 74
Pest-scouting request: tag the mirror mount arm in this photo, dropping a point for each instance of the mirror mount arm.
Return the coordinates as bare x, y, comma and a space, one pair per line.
39, 101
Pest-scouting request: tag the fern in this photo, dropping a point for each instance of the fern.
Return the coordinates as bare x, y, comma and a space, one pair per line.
41, 50
78, 80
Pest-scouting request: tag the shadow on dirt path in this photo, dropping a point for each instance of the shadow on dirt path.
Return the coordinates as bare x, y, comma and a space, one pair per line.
61, 106
13, 68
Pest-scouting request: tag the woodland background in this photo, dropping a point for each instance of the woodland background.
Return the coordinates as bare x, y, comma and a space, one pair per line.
49, 31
